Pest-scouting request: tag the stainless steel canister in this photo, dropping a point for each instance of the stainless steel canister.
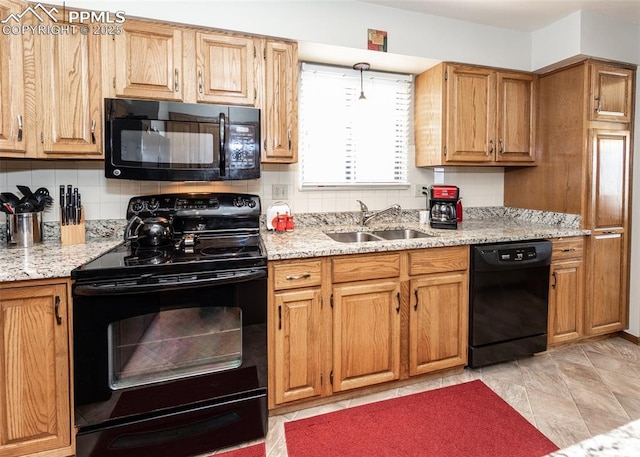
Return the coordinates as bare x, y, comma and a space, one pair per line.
24, 229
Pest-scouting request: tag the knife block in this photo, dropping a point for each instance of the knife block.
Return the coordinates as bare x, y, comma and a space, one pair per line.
72, 234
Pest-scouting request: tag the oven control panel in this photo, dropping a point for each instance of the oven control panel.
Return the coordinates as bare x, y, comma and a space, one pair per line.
208, 204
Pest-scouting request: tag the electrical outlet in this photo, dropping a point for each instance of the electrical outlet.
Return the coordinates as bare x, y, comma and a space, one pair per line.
278, 191
418, 190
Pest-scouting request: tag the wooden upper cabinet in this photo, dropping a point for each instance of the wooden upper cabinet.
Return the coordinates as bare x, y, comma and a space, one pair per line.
148, 61
225, 68
474, 115
515, 117
35, 394
611, 93
12, 89
471, 119
280, 110
70, 78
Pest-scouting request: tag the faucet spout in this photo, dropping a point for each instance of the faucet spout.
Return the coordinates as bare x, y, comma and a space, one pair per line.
367, 215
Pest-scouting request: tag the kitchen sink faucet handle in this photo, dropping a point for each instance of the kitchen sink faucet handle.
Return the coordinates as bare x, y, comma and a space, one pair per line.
363, 207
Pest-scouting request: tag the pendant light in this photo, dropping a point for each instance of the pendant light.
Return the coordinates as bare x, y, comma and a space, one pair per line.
362, 66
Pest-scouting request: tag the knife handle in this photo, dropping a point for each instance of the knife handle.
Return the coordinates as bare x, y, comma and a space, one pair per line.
63, 206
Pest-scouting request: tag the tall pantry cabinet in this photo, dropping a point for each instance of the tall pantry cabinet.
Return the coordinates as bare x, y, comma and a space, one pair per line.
584, 143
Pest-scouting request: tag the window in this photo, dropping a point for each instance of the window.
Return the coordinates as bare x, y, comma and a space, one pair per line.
349, 142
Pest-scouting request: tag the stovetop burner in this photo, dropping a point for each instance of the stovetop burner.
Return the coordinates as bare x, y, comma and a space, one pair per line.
213, 232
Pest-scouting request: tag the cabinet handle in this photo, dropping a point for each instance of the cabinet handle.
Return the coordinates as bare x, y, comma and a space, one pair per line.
289, 138
280, 317
555, 280
415, 307
19, 127
569, 250
501, 146
56, 310
597, 99
490, 147
200, 88
294, 277
176, 83
93, 131
398, 308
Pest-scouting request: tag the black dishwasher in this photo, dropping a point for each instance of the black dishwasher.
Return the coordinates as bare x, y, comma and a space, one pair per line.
508, 300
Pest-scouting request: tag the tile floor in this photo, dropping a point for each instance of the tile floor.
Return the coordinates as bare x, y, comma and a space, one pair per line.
569, 394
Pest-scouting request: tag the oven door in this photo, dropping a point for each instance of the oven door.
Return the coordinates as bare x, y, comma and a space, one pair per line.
170, 368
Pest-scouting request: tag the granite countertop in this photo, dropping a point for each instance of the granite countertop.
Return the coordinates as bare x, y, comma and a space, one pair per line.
623, 441
50, 259
311, 240
483, 225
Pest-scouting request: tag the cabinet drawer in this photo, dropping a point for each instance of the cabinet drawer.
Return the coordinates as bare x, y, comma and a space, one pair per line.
360, 268
437, 260
567, 248
299, 273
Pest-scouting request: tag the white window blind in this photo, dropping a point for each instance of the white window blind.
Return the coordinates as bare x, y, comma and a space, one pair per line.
345, 141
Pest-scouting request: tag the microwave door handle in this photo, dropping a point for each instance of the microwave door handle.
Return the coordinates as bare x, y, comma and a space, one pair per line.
222, 162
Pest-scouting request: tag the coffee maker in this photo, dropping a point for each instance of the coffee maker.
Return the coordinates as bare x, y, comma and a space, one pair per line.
443, 201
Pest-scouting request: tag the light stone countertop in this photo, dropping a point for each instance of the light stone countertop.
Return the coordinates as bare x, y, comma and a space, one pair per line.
49, 259
483, 225
312, 241
623, 441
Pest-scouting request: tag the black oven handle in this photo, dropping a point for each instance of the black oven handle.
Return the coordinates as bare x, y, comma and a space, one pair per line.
113, 288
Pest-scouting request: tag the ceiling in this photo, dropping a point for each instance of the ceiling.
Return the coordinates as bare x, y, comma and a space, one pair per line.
524, 15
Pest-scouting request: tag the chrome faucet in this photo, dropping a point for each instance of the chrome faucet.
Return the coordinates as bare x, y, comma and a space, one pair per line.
367, 215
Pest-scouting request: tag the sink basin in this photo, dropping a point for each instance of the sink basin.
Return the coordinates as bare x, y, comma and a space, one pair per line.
400, 234
352, 237
378, 235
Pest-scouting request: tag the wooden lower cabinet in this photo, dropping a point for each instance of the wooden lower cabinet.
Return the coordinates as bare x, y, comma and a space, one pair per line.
566, 297
342, 323
438, 322
366, 334
297, 345
35, 386
607, 303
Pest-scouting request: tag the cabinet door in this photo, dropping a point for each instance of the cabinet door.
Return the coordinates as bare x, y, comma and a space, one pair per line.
70, 75
607, 295
471, 124
366, 334
515, 105
226, 72
281, 103
297, 345
35, 411
612, 93
438, 325
610, 179
565, 301
12, 88
148, 62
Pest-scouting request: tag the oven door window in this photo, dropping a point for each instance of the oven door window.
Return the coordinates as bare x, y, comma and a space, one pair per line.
173, 344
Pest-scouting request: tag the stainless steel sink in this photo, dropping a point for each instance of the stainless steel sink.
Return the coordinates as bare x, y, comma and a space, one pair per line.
378, 235
400, 234
352, 237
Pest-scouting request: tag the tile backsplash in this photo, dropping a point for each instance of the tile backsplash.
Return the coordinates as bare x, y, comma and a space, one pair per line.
105, 198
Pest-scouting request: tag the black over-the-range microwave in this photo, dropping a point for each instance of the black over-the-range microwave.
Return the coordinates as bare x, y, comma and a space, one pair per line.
173, 141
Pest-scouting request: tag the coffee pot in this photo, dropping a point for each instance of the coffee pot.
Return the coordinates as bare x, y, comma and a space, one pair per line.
443, 204
152, 231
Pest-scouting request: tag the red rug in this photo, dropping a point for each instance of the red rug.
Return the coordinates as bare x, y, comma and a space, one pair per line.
257, 450
466, 420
